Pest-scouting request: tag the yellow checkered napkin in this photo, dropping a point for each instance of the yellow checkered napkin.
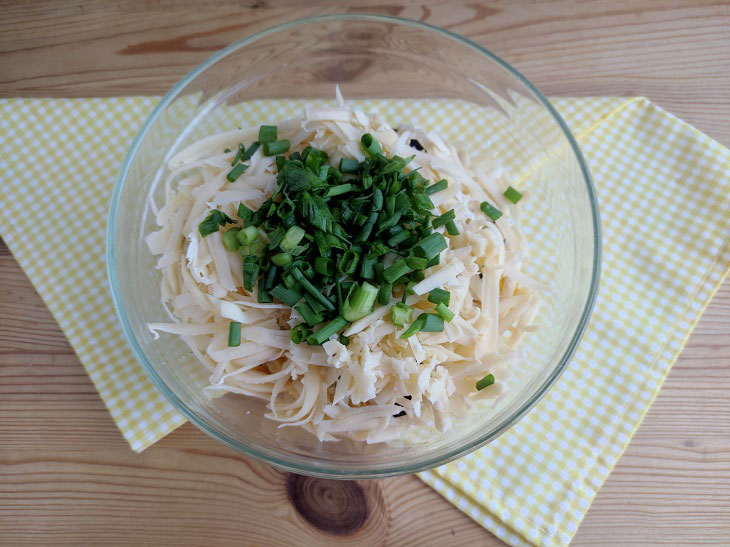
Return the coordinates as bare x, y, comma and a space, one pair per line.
664, 192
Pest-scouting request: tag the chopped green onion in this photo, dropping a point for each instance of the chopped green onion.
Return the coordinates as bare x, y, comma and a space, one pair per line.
513, 195
360, 302
370, 145
400, 314
248, 235
437, 187
311, 317
452, 229
285, 295
416, 326
239, 154
487, 381
337, 190
324, 266
367, 267
432, 323
250, 271
322, 335
267, 133
396, 271
250, 151
311, 289
276, 147
292, 238
398, 238
230, 240
344, 340
281, 259
418, 276
348, 262
439, 296
348, 165
271, 276
364, 233
416, 263
448, 216
384, 294
244, 213
490, 210
430, 246
236, 172
263, 295
211, 223
444, 313
299, 333
234, 334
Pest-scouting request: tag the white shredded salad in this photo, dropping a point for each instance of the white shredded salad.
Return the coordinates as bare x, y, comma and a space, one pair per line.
359, 391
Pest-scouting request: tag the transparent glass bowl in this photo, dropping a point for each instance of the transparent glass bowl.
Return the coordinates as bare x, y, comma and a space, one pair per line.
370, 57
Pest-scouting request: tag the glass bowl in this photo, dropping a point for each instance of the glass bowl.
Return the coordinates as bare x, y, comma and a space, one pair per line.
409, 72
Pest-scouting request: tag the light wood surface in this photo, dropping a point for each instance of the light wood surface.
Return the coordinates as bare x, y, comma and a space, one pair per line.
68, 477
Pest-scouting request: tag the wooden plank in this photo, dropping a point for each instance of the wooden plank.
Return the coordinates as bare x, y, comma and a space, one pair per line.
67, 476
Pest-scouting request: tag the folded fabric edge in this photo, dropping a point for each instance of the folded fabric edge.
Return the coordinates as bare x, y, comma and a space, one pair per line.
506, 530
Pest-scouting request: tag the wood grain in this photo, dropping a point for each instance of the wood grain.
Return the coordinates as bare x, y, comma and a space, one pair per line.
68, 477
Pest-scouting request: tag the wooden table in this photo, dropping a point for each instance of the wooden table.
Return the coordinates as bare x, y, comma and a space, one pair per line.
68, 477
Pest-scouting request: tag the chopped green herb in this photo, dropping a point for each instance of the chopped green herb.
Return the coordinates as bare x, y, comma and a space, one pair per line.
512, 195
490, 210
234, 334
236, 172
211, 223
444, 312
438, 296
400, 314
487, 381
267, 133
276, 147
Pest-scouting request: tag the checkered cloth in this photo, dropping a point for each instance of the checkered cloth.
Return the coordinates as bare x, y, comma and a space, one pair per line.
664, 191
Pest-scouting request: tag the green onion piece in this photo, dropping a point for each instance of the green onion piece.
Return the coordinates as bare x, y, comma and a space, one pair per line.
236, 172
435, 261
316, 306
439, 296
384, 294
416, 263
214, 219
311, 289
344, 340
267, 133
281, 259
324, 266
398, 238
418, 276
307, 270
513, 195
370, 145
448, 216
289, 281
280, 162
322, 335
396, 271
490, 210
367, 182
367, 267
276, 147
322, 245
271, 276
248, 235
230, 240
437, 187
244, 213
349, 165
263, 295
292, 238
308, 314
400, 314
299, 333
348, 262
487, 381
444, 313
416, 326
250, 271
367, 228
408, 290
239, 154
250, 151
432, 323
430, 246
285, 295
452, 229
360, 302
234, 334
337, 190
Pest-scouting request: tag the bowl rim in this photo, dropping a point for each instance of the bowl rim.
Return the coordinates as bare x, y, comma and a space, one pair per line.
329, 470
